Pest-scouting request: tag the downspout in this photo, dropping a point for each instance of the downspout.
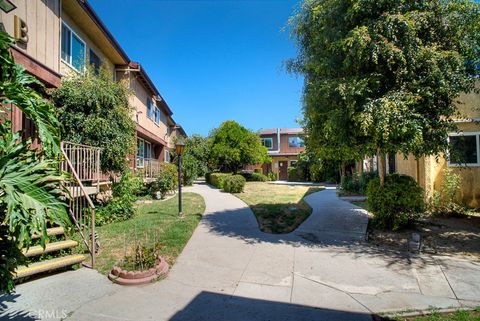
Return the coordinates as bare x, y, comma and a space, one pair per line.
278, 142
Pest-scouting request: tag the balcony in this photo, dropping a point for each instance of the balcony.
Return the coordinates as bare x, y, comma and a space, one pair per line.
148, 168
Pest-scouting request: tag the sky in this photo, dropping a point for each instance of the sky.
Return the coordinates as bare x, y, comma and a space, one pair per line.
213, 60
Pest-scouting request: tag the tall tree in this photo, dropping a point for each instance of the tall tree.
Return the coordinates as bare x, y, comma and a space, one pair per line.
194, 158
233, 146
383, 76
94, 110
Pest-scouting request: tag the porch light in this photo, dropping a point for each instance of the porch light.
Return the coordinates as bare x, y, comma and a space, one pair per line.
179, 147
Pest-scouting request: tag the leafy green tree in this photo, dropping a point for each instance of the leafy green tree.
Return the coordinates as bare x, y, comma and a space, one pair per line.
95, 110
383, 76
30, 193
232, 146
194, 158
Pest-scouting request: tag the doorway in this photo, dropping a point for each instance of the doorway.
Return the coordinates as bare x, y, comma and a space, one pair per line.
283, 170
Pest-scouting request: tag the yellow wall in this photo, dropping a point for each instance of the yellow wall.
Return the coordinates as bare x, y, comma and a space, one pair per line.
43, 21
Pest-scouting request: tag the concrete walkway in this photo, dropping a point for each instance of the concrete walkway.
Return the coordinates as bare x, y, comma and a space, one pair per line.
229, 270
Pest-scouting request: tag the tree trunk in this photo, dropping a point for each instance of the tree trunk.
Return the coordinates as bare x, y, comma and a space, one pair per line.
381, 166
342, 169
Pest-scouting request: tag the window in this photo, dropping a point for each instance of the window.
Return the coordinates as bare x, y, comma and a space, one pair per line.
464, 149
150, 109
95, 61
73, 49
157, 115
293, 163
295, 142
144, 151
267, 142
167, 156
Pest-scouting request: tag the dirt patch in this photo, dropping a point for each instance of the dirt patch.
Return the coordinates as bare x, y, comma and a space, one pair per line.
444, 236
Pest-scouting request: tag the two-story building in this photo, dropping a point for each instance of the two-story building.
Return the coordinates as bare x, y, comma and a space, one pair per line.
284, 145
57, 37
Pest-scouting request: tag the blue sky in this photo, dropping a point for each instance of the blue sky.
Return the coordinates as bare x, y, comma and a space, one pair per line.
213, 60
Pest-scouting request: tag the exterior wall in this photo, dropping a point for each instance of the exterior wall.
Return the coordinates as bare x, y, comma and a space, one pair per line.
43, 21
65, 68
274, 141
277, 159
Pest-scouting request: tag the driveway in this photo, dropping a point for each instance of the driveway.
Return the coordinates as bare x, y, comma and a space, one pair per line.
229, 270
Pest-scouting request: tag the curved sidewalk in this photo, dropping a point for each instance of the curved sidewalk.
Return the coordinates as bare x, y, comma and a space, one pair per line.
230, 270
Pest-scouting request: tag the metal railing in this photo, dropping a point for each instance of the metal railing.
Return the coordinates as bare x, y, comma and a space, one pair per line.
82, 162
148, 167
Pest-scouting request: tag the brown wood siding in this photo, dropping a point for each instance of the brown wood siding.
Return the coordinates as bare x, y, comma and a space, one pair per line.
43, 21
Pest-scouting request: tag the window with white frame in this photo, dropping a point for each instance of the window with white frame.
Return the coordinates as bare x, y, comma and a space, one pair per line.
73, 49
144, 151
267, 142
150, 109
464, 149
293, 163
295, 142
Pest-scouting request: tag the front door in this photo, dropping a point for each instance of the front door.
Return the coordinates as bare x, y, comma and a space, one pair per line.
283, 170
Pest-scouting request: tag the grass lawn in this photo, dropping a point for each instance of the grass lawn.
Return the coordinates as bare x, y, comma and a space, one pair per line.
363, 205
157, 221
278, 208
460, 315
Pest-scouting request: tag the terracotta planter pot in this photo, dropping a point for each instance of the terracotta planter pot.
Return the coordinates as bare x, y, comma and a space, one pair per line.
124, 277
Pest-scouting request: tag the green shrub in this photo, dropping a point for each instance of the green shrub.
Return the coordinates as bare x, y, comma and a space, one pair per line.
116, 210
444, 202
356, 184
233, 183
216, 179
129, 184
272, 176
398, 203
254, 177
166, 181
296, 174
257, 170
121, 206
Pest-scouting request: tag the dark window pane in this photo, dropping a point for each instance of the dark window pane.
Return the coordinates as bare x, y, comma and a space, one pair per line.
463, 149
95, 61
66, 49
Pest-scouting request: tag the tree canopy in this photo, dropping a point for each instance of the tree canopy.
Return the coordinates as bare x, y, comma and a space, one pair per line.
95, 110
233, 146
383, 76
194, 158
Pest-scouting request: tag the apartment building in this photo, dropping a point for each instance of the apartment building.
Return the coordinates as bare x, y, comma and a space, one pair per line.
57, 37
284, 145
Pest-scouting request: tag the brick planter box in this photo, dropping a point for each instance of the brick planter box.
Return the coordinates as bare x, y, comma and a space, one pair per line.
124, 277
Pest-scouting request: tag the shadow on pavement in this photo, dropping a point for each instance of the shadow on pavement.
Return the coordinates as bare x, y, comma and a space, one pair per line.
214, 306
15, 314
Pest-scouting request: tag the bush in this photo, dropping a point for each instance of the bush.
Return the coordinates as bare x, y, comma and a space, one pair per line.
255, 177
398, 203
444, 202
116, 210
216, 179
233, 183
257, 170
272, 176
356, 184
166, 181
130, 184
296, 174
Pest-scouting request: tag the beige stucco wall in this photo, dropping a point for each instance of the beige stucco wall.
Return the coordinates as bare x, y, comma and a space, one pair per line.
43, 22
139, 102
65, 68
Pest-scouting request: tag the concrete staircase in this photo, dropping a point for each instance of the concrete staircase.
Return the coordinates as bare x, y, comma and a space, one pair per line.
59, 259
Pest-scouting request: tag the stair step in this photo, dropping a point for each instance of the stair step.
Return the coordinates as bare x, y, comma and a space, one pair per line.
48, 265
50, 247
76, 191
54, 231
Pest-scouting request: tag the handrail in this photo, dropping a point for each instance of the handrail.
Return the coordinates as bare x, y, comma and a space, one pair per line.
80, 202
